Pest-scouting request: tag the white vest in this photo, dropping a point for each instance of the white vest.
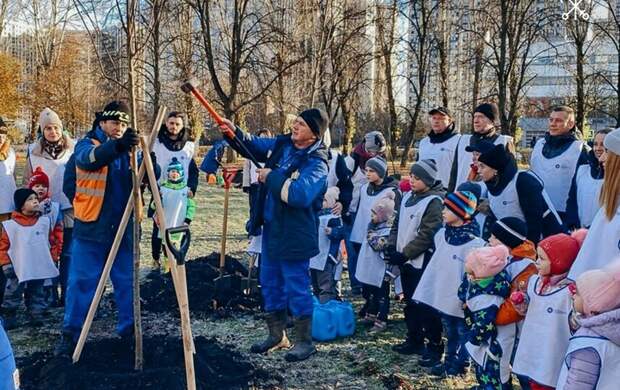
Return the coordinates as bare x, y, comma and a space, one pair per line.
175, 206
465, 157
409, 220
318, 262
358, 179
362, 218
442, 153
30, 250
332, 178
52, 212
556, 173
505, 336
164, 156
588, 192
609, 377
55, 171
443, 275
7, 183
601, 246
515, 268
545, 334
507, 203
371, 268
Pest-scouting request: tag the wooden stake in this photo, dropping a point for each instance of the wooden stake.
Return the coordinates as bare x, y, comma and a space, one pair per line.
178, 273
105, 273
137, 220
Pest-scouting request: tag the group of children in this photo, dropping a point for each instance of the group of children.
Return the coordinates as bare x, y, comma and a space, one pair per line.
504, 306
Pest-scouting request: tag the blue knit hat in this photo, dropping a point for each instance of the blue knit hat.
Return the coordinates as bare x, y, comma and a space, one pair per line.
462, 203
175, 165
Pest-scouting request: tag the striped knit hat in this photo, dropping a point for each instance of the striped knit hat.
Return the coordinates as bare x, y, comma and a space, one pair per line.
175, 165
462, 203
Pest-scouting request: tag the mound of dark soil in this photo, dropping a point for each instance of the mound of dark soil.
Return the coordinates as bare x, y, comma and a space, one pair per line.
158, 294
108, 364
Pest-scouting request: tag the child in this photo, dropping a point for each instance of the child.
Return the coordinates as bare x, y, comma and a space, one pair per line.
39, 183
27, 255
323, 266
179, 208
7, 173
416, 223
593, 354
372, 271
485, 286
440, 281
545, 334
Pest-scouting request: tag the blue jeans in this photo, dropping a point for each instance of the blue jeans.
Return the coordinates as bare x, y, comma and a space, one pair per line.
7, 362
353, 250
456, 332
84, 273
285, 284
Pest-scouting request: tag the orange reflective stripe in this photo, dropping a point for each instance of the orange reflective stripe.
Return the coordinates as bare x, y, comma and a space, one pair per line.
89, 192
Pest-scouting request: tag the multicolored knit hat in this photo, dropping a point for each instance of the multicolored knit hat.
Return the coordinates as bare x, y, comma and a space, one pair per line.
175, 165
38, 177
462, 203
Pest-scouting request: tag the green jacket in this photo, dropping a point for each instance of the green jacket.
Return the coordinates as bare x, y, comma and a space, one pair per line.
191, 203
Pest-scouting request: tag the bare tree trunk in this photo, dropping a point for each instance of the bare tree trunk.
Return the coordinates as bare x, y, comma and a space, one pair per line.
443, 50
350, 126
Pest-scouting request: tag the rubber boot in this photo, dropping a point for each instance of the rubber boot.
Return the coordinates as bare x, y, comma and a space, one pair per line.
433, 355
65, 346
9, 319
303, 347
276, 323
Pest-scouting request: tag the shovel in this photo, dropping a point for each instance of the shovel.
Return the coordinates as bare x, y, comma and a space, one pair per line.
179, 251
226, 284
251, 284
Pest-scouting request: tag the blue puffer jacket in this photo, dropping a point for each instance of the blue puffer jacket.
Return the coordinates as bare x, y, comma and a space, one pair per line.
292, 196
7, 362
118, 186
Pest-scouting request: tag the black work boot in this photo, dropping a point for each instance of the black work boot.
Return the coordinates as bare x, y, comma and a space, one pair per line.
410, 347
276, 323
432, 356
65, 346
303, 347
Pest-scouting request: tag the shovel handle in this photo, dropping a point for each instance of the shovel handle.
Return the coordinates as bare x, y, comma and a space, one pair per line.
179, 254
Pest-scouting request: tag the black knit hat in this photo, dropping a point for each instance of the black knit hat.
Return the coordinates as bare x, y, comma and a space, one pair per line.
511, 231
116, 110
316, 119
489, 110
20, 196
480, 146
496, 158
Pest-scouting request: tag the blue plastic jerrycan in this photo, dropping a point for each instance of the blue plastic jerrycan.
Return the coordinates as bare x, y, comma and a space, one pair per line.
323, 323
344, 316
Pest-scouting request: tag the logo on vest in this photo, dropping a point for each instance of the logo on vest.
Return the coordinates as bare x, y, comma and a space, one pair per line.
455, 257
557, 166
551, 310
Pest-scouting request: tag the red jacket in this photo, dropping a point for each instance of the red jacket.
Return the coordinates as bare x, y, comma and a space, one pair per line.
24, 220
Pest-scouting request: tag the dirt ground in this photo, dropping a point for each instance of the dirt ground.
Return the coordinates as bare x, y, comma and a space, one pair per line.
360, 362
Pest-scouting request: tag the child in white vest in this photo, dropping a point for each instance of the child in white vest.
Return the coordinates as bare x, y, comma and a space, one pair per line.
547, 304
27, 254
39, 183
593, 356
485, 286
373, 271
324, 265
179, 207
440, 281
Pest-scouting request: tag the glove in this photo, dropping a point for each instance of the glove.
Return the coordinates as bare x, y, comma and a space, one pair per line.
9, 271
394, 257
129, 139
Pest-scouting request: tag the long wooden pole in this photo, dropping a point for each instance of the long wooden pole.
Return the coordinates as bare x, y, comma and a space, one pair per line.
114, 249
178, 272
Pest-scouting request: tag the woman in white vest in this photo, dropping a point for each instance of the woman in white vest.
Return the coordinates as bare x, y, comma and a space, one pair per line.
556, 156
441, 143
514, 193
173, 142
464, 168
7, 173
593, 354
602, 244
585, 190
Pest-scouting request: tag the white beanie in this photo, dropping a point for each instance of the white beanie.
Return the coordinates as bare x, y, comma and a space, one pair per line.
331, 196
612, 141
49, 117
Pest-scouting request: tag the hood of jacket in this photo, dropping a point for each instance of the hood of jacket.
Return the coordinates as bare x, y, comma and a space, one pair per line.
435, 189
605, 324
388, 182
173, 145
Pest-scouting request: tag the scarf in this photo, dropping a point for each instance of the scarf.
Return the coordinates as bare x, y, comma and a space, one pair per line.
53, 149
557, 144
459, 235
504, 176
527, 250
549, 281
596, 168
4, 150
491, 136
360, 156
173, 144
448, 133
